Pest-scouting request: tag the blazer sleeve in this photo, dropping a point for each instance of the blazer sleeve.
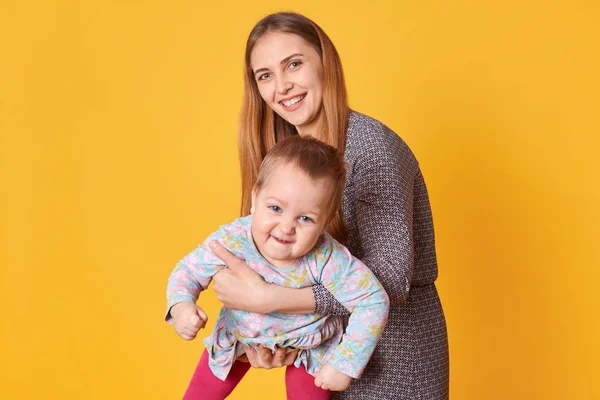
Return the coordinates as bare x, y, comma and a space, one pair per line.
326, 303
383, 180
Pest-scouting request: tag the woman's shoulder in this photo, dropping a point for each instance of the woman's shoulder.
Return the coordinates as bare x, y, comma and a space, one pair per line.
361, 121
367, 136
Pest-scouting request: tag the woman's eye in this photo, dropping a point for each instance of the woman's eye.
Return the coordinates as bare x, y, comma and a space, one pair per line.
263, 77
295, 64
275, 208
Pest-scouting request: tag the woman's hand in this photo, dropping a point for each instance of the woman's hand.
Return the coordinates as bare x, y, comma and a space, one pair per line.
264, 358
239, 286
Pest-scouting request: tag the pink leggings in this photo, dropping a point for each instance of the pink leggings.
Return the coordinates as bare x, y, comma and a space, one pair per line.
299, 384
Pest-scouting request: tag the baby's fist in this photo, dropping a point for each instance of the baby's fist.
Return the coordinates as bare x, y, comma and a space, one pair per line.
188, 319
329, 378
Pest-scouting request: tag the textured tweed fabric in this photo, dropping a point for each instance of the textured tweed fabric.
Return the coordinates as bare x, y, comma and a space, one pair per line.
390, 228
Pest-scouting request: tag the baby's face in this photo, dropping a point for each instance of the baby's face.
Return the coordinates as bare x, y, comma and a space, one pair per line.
289, 214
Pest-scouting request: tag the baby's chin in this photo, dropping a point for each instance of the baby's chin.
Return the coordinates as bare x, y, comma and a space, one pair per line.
282, 263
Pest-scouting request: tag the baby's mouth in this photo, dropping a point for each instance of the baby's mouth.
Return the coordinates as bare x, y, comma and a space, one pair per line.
282, 241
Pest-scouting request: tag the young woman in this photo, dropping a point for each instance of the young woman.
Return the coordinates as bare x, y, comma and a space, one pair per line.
294, 84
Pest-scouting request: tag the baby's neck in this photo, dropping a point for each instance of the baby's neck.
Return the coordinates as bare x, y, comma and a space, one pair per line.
279, 263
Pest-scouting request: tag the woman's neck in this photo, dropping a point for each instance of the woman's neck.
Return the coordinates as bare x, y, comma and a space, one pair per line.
313, 128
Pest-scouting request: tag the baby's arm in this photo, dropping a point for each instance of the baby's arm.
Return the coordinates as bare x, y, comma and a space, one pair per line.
357, 288
188, 319
191, 275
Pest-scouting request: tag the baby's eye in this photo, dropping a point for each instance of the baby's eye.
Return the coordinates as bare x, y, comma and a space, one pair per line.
304, 218
275, 208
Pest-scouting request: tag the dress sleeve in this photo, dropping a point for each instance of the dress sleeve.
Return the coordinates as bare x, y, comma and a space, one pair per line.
192, 274
357, 289
384, 185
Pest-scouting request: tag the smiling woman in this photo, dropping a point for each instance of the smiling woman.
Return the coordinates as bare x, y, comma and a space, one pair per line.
294, 85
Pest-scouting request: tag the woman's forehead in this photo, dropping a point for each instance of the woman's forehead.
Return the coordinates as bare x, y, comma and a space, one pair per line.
273, 47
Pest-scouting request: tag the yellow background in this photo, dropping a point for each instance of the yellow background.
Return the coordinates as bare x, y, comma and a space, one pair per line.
118, 155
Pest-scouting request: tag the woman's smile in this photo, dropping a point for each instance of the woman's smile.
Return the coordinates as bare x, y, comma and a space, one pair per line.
293, 103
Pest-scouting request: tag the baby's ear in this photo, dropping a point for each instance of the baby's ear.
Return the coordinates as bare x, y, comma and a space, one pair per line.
331, 218
253, 200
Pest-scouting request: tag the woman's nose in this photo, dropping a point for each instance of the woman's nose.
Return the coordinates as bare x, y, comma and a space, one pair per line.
284, 86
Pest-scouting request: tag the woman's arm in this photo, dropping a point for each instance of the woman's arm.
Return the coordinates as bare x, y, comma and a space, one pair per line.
326, 303
240, 287
383, 180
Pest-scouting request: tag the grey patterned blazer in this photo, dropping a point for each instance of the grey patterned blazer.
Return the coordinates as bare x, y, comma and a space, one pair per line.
390, 228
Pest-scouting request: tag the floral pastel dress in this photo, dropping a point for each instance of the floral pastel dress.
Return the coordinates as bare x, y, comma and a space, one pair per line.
320, 339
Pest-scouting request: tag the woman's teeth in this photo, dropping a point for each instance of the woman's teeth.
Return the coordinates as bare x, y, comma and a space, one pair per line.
291, 102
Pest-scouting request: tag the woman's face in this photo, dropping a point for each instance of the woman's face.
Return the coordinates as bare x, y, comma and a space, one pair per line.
288, 72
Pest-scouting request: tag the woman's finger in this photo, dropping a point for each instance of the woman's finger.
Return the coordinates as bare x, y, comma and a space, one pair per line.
266, 356
252, 356
243, 358
225, 255
279, 356
290, 357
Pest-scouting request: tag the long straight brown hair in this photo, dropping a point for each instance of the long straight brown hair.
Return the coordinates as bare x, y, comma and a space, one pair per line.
261, 127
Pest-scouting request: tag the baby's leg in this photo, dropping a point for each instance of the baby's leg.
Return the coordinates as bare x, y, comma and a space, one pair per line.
300, 385
206, 386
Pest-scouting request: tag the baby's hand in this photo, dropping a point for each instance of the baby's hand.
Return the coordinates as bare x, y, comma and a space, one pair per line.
188, 319
329, 378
